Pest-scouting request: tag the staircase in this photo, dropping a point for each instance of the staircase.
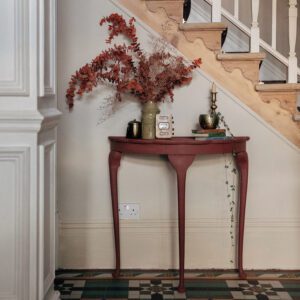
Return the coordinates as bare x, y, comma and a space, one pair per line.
276, 103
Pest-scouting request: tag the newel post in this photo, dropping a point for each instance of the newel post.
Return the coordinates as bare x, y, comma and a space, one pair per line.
293, 64
254, 43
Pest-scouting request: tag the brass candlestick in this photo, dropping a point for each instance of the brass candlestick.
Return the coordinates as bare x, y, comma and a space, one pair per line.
211, 120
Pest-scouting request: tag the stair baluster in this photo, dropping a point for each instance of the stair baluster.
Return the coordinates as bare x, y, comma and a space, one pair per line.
216, 11
274, 23
254, 44
236, 9
293, 63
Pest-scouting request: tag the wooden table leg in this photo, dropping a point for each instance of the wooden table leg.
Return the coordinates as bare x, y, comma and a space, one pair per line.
114, 163
181, 163
241, 159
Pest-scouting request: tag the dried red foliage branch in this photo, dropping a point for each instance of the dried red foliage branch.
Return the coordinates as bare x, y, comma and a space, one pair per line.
129, 69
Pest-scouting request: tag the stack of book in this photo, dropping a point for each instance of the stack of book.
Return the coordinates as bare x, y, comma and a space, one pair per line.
209, 134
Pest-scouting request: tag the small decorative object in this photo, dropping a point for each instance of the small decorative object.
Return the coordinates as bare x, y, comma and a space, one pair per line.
164, 126
149, 112
208, 134
186, 10
134, 130
213, 106
130, 70
211, 120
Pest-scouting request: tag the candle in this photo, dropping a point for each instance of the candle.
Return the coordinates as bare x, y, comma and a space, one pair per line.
214, 88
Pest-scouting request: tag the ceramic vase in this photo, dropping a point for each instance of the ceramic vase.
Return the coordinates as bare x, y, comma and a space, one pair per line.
149, 111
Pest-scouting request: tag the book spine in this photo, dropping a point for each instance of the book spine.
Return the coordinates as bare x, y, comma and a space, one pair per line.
214, 134
207, 131
212, 138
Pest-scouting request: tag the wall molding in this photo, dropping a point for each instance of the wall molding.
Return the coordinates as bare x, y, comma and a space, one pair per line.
20, 158
51, 118
273, 224
20, 121
47, 32
50, 88
52, 294
19, 85
160, 239
47, 151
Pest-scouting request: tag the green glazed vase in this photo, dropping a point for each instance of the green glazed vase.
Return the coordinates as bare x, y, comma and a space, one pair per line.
149, 111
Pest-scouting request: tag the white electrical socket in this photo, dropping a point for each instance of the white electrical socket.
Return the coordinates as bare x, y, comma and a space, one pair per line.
129, 211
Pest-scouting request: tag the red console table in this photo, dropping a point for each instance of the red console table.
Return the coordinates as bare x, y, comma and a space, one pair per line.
181, 153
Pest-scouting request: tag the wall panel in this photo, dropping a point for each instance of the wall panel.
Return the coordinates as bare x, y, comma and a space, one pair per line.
14, 217
14, 51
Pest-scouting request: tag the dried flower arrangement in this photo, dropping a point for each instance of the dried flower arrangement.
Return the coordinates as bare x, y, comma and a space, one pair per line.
129, 69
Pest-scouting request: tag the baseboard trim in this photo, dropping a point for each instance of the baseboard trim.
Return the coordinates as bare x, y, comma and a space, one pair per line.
52, 294
199, 224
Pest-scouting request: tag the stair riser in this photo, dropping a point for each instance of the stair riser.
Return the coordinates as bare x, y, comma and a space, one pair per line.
287, 100
211, 39
173, 8
249, 69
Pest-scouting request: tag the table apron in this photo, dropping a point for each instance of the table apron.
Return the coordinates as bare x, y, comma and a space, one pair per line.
159, 149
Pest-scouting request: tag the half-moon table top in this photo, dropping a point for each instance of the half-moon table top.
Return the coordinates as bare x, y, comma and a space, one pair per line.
179, 145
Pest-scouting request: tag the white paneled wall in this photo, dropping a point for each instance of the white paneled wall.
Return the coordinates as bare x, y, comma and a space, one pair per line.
28, 149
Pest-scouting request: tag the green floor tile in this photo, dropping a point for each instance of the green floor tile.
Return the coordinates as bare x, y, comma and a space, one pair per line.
207, 288
106, 289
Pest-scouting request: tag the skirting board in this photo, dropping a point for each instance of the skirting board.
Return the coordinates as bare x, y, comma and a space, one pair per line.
268, 244
52, 294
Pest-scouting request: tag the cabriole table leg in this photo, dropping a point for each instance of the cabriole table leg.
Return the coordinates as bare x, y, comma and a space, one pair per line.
181, 163
241, 159
114, 164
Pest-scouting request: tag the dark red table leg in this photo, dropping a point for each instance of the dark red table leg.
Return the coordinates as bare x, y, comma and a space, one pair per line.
114, 163
241, 159
181, 163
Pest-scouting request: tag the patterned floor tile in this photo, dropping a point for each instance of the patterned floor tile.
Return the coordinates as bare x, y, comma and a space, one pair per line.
154, 289
161, 287
71, 289
253, 289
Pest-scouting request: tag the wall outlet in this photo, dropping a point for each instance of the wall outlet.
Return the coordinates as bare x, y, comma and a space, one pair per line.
129, 211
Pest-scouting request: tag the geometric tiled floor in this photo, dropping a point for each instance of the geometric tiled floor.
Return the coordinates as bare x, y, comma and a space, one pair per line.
162, 285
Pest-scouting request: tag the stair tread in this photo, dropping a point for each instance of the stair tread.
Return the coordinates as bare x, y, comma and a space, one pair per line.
164, 0
277, 87
234, 52
202, 26
275, 81
296, 117
241, 56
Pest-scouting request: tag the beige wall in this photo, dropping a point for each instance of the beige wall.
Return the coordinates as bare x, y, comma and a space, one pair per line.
86, 241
